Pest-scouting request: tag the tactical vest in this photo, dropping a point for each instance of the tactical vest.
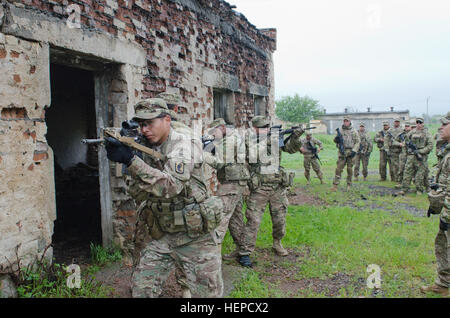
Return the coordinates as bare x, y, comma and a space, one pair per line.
418, 138
170, 213
264, 174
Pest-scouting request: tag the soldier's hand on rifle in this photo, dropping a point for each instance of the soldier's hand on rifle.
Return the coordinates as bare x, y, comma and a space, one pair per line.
302, 150
353, 154
117, 151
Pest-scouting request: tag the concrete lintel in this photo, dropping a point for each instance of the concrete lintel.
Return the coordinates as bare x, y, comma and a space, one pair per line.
257, 89
220, 80
40, 27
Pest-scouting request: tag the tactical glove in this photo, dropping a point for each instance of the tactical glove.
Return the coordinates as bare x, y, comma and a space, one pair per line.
353, 154
444, 226
117, 151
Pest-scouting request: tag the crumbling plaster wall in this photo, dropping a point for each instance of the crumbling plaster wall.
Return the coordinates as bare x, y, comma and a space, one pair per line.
27, 209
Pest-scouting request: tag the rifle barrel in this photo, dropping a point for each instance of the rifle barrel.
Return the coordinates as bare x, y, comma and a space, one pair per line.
92, 141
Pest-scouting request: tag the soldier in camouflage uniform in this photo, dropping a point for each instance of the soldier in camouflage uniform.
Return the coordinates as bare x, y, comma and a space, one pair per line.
393, 147
363, 155
403, 155
309, 144
384, 159
440, 204
350, 146
417, 161
173, 201
229, 160
269, 183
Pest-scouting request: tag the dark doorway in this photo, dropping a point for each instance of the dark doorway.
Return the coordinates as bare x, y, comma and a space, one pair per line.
70, 118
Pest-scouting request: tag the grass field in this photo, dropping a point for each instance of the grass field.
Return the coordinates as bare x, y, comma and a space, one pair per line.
335, 237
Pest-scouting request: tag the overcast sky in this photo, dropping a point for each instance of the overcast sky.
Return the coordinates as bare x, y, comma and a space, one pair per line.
360, 53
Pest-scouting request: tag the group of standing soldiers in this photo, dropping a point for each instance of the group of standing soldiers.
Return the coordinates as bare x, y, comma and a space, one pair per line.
406, 152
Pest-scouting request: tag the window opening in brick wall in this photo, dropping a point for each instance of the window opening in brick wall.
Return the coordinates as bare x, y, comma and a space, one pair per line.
259, 103
223, 105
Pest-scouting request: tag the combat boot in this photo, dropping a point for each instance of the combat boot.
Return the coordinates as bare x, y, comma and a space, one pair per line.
435, 289
356, 179
348, 187
365, 178
307, 182
321, 181
334, 188
278, 248
245, 261
401, 192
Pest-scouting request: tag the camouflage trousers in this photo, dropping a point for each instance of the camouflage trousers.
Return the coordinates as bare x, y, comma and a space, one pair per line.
344, 160
394, 162
442, 251
276, 197
232, 195
362, 158
200, 262
384, 161
401, 166
417, 170
308, 161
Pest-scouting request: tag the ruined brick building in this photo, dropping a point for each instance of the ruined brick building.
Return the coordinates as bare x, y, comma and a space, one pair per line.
70, 67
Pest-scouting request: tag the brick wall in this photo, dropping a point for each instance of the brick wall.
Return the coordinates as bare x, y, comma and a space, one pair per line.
190, 47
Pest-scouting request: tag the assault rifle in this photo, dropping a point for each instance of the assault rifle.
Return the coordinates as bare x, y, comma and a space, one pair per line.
127, 135
340, 141
412, 147
402, 136
313, 150
281, 141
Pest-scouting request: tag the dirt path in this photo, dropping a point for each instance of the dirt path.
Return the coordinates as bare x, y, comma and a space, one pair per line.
118, 277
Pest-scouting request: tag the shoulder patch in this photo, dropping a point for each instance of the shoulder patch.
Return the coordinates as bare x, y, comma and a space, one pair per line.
179, 167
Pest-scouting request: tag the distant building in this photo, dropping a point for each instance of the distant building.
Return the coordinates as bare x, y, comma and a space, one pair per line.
372, 120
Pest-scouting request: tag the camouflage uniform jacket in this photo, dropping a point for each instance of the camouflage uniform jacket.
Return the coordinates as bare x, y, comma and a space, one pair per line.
268, 169
351, 138
378, 138
440, 146
444, 182
421, 139
392, 141
309, 144
230, 158
366, 145
169, 185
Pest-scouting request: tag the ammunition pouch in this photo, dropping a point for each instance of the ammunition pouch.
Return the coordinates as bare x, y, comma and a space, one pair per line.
193, 220
234, 172
287, 179
436, 199
212, 211
204, 217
